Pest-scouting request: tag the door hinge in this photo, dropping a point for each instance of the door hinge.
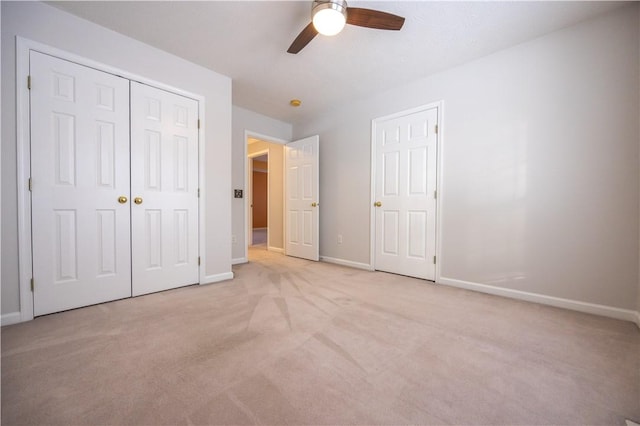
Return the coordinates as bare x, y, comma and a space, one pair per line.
198, 260
29, 82
198, 123
32, 284
434, 260
436, 129
30, 185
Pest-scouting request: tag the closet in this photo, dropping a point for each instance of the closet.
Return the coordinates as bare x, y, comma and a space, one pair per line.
114, 186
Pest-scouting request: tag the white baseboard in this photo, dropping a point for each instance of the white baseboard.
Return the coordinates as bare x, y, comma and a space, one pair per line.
209, 279
348, 263
12, 318
558, 302
239, 260
275, 249
638, 319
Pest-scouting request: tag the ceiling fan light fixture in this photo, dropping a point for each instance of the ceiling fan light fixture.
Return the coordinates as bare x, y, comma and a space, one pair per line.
329, 17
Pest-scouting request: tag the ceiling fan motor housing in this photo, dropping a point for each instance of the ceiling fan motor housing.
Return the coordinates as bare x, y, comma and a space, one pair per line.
339, 5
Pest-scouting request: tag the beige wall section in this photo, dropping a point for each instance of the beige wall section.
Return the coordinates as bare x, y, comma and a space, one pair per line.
42, 23
247, 121
540, 154
275, 216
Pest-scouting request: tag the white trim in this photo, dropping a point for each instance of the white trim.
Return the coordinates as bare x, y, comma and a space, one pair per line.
23, 47
372, 199
439, 105
558, 302
439, 191
12, 318
210, 279
239, 260
24, 171
638, 319
348, 263
275, 249
260, 229
202, 199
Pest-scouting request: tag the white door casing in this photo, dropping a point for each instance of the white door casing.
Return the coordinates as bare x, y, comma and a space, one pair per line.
164, 178
302, 227
80, 232
405, 156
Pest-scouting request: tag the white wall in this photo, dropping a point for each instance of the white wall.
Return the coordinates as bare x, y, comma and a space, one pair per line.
48, 25
540, 145
245, 120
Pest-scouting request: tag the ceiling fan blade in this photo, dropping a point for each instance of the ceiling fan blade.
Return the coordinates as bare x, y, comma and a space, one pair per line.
303, 38
374, 19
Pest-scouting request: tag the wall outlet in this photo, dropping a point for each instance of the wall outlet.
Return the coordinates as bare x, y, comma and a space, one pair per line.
234, 239
339, 238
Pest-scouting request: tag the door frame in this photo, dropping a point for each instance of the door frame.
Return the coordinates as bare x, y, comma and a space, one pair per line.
23, 152
439, 105
249, 194
247, 181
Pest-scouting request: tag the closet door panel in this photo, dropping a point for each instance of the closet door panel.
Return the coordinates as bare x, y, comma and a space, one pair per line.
164, 187
79, 171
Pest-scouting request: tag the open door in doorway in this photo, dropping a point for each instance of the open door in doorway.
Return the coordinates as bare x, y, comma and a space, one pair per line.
302, 225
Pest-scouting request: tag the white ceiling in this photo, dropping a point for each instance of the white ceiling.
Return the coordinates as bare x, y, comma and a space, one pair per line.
247, 41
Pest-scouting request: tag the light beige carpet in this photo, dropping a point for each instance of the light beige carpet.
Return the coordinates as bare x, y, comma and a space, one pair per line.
296, 342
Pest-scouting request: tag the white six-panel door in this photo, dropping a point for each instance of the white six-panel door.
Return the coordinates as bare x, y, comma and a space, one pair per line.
405, 197
79, 169
302, 198
164, 189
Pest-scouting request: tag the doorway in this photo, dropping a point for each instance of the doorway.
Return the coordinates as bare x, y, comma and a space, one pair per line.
293, 186
264, 193
259, 199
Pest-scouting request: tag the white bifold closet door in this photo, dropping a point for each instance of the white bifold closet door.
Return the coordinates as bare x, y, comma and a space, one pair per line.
164, 189
79, 171
114, 172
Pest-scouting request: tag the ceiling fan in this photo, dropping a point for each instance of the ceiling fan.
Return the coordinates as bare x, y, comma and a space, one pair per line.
330, 16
